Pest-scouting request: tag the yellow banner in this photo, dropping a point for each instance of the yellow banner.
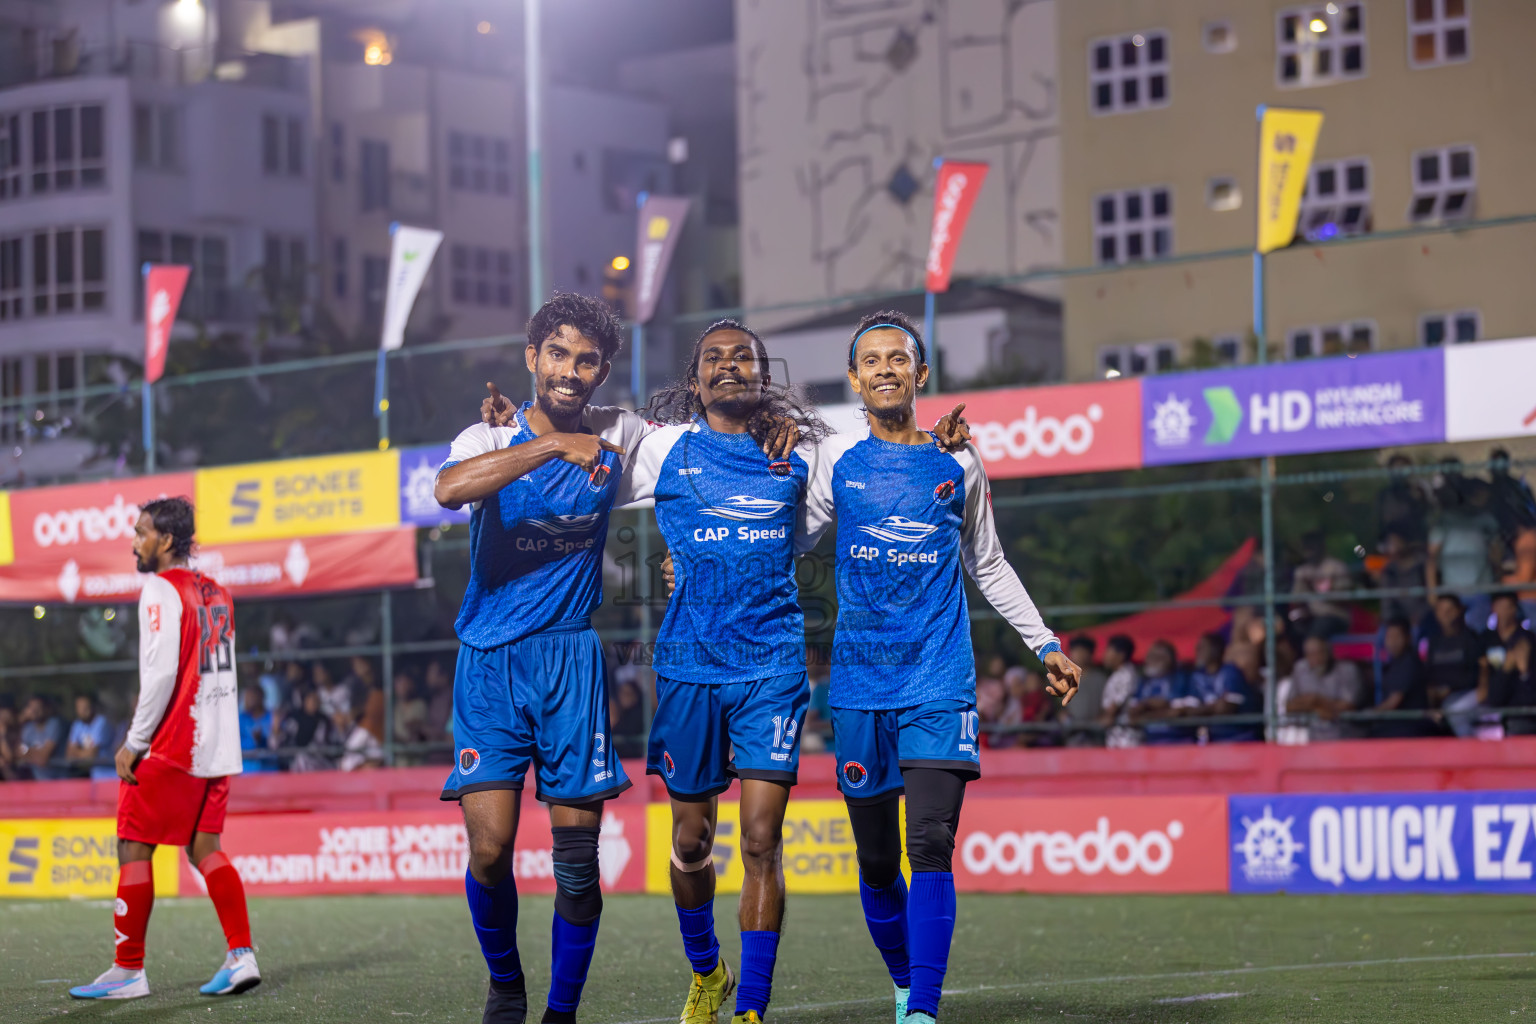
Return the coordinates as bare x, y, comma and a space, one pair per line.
7, 547
298, 497
818, 848
1287, 139
57, 858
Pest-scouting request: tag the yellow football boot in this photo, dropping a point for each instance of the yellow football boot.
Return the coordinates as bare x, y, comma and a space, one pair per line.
707, 994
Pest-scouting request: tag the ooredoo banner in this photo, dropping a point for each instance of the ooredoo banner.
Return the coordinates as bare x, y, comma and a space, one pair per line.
1384, 842
1069, 428
51, 525
1314, 405
405, 852
1070, 845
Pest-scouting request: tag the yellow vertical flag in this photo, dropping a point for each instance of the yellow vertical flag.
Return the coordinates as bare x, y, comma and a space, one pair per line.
7, 548
1287, 139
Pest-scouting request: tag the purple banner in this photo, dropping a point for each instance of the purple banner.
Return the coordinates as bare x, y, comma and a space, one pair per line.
418, 473
1314, 405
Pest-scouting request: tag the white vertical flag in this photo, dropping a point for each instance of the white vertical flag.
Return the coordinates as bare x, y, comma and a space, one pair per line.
410, 256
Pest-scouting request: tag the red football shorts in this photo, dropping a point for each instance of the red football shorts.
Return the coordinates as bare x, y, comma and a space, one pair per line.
168, 805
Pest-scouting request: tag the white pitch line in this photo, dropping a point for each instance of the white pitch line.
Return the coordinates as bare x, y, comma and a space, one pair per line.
1204, 997
1111, 979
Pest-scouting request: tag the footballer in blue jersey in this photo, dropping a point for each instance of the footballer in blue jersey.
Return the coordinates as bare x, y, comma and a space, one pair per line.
909, 517
530, 684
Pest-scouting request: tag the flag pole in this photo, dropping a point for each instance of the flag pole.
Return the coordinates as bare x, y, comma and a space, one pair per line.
933, 348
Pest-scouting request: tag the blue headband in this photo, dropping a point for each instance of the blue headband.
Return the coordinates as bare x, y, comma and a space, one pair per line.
922, 354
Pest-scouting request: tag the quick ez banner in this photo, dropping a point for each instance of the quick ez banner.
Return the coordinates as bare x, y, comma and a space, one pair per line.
1449, 842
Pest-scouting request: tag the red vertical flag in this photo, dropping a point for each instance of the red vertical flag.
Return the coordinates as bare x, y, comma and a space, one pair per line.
163, 288
954, 193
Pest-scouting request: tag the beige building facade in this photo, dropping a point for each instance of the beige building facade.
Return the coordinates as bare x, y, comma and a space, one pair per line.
1427, 120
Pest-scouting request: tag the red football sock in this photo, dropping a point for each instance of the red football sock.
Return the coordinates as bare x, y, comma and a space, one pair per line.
130, 918
228, 895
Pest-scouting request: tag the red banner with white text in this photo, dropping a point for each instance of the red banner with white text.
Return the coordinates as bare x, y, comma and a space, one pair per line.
405, 852
954, 193
163, 288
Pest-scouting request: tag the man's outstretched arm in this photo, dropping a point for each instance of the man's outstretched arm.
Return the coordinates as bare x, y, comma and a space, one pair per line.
477, 467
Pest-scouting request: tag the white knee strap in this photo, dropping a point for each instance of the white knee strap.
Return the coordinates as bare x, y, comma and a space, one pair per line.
698, 865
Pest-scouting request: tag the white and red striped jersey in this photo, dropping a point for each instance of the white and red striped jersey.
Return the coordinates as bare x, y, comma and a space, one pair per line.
188, 711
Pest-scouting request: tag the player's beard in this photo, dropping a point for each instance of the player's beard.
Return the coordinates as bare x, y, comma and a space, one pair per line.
140, 564
738, 404
554, 406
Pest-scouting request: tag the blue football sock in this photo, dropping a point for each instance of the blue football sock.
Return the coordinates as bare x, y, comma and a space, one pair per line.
571, 948
494, 913
932, 921
885, 911
699, 942
759, 950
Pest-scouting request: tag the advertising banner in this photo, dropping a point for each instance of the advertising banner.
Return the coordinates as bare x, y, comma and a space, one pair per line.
1384, 842
1115, 844
818, 848
410, 257
67, 858
661, 225
298, 497
954, 193
405, 852
1490, 390
1313, 405
268, 568
1069, 428
7, 548
163, 288
87, 522
1287, 139
418, 475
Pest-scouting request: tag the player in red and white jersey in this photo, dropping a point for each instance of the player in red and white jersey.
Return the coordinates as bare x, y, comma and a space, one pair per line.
182, 747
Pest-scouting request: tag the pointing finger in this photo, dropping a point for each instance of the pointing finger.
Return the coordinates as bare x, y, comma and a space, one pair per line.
609, 446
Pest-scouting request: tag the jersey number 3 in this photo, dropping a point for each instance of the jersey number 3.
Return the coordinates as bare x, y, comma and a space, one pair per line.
216, 648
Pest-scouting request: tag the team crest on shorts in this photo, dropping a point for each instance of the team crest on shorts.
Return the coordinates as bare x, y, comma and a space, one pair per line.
469, 760
855, 775
667, 765
598, 477
781, 468
944, 491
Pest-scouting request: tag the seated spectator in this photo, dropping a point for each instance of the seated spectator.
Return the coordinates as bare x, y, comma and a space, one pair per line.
42, 739
335, 697
439, 724
1324, 687
1216, 688
1160, 687
1321, 573
1456, 666
1400, 506
1403, 570
1029, 701
1513, 684
90, 737
1513, 505
10, 741
1524, 571
365, 743
1404, 684
1087, 705
1119, 692
1464, 542
273, 680
308, 730
991, 702
410, 714
361, 680
255, 730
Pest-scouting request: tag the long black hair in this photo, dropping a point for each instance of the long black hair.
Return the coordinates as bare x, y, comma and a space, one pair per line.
678, 401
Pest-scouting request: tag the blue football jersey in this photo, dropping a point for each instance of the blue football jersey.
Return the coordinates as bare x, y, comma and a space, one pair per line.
536, 545
729, 515
908, 517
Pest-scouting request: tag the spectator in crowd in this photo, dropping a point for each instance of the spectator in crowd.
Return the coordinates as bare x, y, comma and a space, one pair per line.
439, 702
361, 680
10, 741
991, 703
365, 743
1119, 692
1513, 504
1403, 570
335, 697
1456, 665
273, 680
1513, 684
1404, 683
1464, 541
1159, 690
1496, 684
1086, 707
255, 730
1320, 573
1248, 661
1524, 571
1400, 506
626, 719
42, 736
309, 730
410, 714
89, 742
1325, 688
1029, 701
1216, 687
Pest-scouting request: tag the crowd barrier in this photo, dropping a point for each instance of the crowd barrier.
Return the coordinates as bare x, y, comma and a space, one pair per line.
1368, 816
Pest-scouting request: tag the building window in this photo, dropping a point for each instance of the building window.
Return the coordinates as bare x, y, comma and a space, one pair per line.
1223, 194
1228, 349
1128, 72
1320, 43
207, 296
67, 273
375, 283
339, 268
285, 268
1133, 225
1337, 200
1439, 32
373, 174
157, 137
1137, 360
481, 277
10, 156
282, 146
12, 284
1444, 184
478, 163
1348, 338
271, 144
67, 149
1456, 328
1218, 37
338, 152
